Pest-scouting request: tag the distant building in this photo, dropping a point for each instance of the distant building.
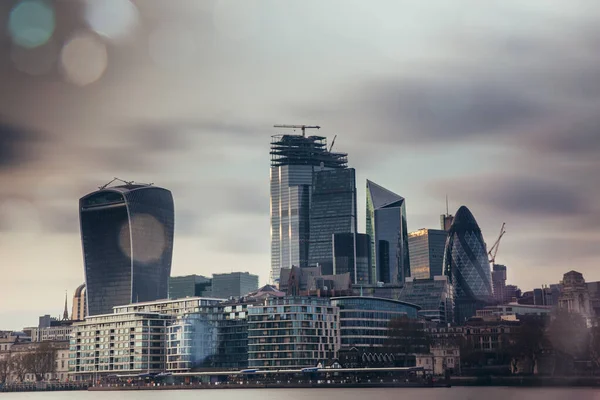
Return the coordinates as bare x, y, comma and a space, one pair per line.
364, 320
191, 342
512, 310
235, 284
292, 332
594, 290
311, 282
79, 310
426, 250
575, 295
51, 329
294, 161
352, 254
467, 266
332, 210
446, 221
386, 226
189, 286
440, 359
127, 237
58, 352
433, 296
499, 283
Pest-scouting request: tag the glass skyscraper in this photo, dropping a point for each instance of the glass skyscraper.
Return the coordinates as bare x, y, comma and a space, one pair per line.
127, 240
467, 267
426, 251
332, 210
352, 254
294, 160
386, 225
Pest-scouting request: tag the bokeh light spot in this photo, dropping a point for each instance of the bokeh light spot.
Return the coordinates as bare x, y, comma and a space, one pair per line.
31, 23
83, 59
113, 19
149, 238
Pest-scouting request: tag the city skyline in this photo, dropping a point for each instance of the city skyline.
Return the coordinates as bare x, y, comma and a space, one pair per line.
514, 140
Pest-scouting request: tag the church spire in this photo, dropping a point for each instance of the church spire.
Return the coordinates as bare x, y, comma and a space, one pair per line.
65, 312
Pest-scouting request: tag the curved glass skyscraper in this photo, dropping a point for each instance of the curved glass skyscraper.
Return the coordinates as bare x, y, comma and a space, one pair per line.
127, 240
466, 265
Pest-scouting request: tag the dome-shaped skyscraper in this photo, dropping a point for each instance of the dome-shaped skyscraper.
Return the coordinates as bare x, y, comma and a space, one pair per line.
466, 265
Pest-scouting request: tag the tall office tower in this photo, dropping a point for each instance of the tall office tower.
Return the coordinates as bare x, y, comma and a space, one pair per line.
352, 253
446, 221
127, 238
79, 310
294, 160
426, 251
499, 283
235, 284
467, 267
189, 286
332, 210
386, 226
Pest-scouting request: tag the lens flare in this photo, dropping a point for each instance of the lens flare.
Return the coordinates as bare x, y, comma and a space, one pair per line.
149, 239
83, 59
113, 19
31, 23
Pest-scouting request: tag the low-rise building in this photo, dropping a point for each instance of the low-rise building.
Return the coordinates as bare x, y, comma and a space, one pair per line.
440, 359
50, 358
292, 332
512, 310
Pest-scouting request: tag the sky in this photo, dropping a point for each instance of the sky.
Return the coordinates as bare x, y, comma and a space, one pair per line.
495, 104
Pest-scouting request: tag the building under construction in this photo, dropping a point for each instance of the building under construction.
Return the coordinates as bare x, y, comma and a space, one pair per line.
294, 161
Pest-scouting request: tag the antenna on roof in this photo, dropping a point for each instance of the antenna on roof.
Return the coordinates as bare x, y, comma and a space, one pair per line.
127, 183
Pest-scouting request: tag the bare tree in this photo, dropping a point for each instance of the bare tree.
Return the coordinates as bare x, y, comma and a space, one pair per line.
18, 366
41, 361
530, 339
5, 368
406, 336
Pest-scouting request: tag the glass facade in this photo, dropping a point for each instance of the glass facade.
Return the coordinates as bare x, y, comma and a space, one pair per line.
467, 267
386, 225
426, 250
434, 296
364, 320
332, 210
189, 286
294, 159
191, 343
234, 284
292, 332
127, 239
352, 254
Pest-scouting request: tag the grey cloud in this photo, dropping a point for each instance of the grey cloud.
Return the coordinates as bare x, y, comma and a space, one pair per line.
17, 145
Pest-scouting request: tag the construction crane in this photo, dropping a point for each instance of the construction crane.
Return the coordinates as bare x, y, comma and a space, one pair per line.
303, 127
494, 249
332, 142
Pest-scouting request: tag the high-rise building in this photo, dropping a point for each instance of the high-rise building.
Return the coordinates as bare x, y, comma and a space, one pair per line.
386, 225
127, 237
79, 311
446, 221
235, 284
426, 251
467, 267
294, 160
499, 283
434, 296
352, 254
189, 286
332, 210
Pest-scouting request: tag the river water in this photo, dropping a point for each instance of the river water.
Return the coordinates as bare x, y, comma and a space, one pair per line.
454, 393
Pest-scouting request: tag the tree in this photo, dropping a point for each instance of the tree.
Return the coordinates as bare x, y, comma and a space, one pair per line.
5, 369
41, 361
406, 336
595, 346
529, 341
18, 366
569, 337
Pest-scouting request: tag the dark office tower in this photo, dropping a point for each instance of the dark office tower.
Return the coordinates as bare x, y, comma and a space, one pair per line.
189, 286
386, 226
127, 238
467, 267
294, 160
332, 210
352, 254
499, 283
446, 221
426, 250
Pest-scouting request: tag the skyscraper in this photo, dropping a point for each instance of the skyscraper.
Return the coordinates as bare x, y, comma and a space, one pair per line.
352, 254
386, 225
332, 210
127, 238
294, 160
499, 283
79, 304
466, 265
426, 251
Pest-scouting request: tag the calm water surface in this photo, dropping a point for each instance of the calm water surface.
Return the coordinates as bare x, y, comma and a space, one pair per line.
455, 393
